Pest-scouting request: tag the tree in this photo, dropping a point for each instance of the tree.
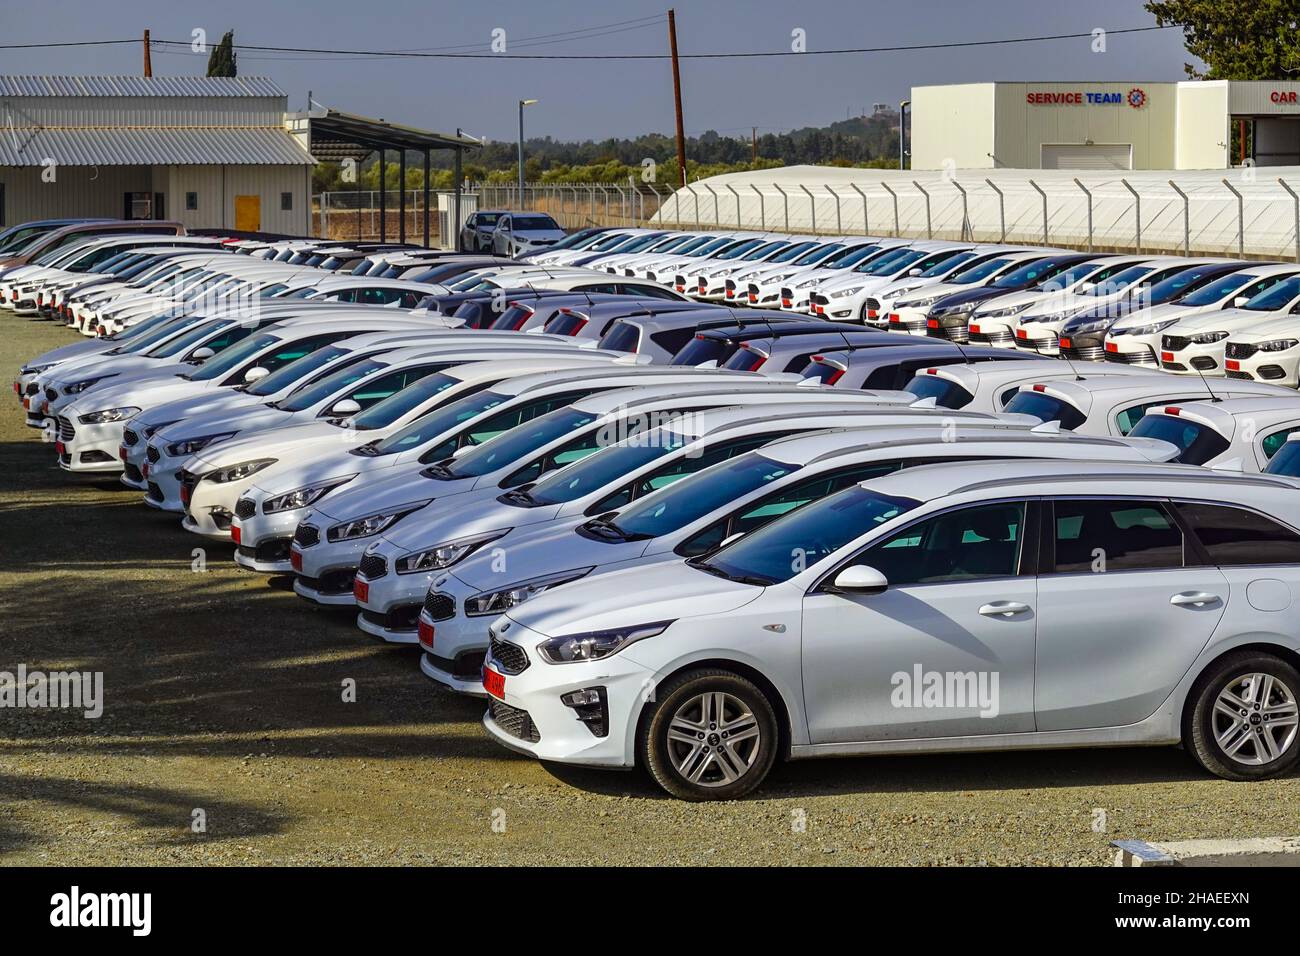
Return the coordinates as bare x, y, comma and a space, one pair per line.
221, 61
1236, 39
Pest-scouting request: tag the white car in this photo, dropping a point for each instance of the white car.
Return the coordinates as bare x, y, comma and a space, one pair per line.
519, 232
219, 476
726, 663
843, 298
761, 288
1266, 352
1113, 405
909, 312
1038, 328
1192, 341
1240, 433
988, 386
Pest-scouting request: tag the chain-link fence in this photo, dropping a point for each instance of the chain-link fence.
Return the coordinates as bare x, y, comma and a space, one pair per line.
1249, 212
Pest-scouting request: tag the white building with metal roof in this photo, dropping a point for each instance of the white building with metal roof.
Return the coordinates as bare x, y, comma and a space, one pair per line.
212, 152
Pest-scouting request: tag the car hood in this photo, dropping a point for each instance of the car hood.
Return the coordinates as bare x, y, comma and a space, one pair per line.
1216, 320
436, 524
219, 401
75, 350
664, 592
270, 443
243, 422
137, 392
1280, 327
380, 493
971, 297
534, 235
1154, 313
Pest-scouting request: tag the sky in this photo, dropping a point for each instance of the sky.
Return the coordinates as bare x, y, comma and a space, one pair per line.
596, 99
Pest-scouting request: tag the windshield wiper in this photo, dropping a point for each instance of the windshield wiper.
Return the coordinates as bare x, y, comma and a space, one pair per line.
716, 571
439, 471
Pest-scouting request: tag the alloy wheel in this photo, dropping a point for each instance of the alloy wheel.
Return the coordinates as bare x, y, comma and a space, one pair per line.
713, 739
1255, 719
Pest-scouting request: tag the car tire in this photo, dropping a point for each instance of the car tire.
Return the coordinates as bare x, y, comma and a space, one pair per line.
1214, 735
722, 771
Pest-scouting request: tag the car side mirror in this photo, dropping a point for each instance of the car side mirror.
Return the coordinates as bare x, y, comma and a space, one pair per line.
255, 373
730, 538
201, 355
463, 449
913, 272
1239, 301
861, 579
345, 407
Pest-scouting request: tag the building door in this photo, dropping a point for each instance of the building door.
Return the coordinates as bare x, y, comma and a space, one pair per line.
1087, 156
248, 213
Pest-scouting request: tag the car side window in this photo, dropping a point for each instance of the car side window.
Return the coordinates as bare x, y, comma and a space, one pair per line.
1273, 443
1008, 395
780, 503
961, 545
1127, 419
385, 386
494, 425
1097, 535
1233, 536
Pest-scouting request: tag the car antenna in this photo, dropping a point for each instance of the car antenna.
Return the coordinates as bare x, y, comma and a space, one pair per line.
1206, 383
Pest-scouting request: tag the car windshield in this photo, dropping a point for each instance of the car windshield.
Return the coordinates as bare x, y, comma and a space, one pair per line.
382, 414
22, 237
183, 342
697, 495
719, 242
1118, 282
487, 218
534, 222
609, 464
766, 249
1286, 461
849, 256
310, 395
512, 445
150, 276
576, 240
163, 328
778, 551
1215, 292
235, 355
980, 271
890, 265
1054, 281
814, 256
430, 426
739, 249
690, 246
1180, 283
1276, 298
1028, 274
295, 371
944, 266
641, 243
785, 255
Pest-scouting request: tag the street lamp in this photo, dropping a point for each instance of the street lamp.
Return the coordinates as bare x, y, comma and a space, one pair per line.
522, 104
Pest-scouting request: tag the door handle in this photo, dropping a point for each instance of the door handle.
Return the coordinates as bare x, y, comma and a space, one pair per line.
1003, 608
1194, 599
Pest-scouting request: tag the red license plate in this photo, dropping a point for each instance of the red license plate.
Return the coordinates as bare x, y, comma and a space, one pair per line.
975, 329
144, 469
295, 559
121, 452
494, 683
1112, 347
895, 317
1067, 343
234, 533
425, 633
1232, 365
731, 293
785, 303
1022, 334
27, 403
59, 448
360, 589
1166, 356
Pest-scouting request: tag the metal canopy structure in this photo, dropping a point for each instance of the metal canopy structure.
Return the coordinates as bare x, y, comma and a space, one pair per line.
336, 136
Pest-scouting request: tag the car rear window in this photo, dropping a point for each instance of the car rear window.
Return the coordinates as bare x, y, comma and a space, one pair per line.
702, 349
1046, 409
1234, 536
946, 393
1196, 443
621, 337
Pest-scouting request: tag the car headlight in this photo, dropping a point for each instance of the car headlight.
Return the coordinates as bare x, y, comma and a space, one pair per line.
76, 388
917, 303
901, 290
747, 277
1084, 328
1048, 317
843, 293
371, 524
498, 602
444, 555
190, 445
1278, 345
1207, 338
1005, 312
1150, 329
36, 369
238, 472
108, 415
807, 284
302, 497
593, 645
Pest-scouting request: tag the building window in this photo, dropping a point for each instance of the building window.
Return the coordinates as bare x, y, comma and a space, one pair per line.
286, 202
191, 201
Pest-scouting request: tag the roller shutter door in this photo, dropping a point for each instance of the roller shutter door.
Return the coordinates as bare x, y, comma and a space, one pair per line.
1087, 156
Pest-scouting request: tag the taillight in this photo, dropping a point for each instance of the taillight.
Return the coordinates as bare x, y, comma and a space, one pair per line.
835, 376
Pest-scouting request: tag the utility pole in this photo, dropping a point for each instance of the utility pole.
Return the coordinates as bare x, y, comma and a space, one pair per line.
902, 133
677, 96
753, 144
148, 64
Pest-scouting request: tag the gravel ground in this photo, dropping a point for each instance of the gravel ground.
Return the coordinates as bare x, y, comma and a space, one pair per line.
224, 693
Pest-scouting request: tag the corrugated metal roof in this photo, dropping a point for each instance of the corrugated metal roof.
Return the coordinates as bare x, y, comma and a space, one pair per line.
138, 86
152, 146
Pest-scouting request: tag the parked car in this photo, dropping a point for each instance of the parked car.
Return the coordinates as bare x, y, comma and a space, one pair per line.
519, 232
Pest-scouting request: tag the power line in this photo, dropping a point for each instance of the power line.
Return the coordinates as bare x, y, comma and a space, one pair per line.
425, 54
